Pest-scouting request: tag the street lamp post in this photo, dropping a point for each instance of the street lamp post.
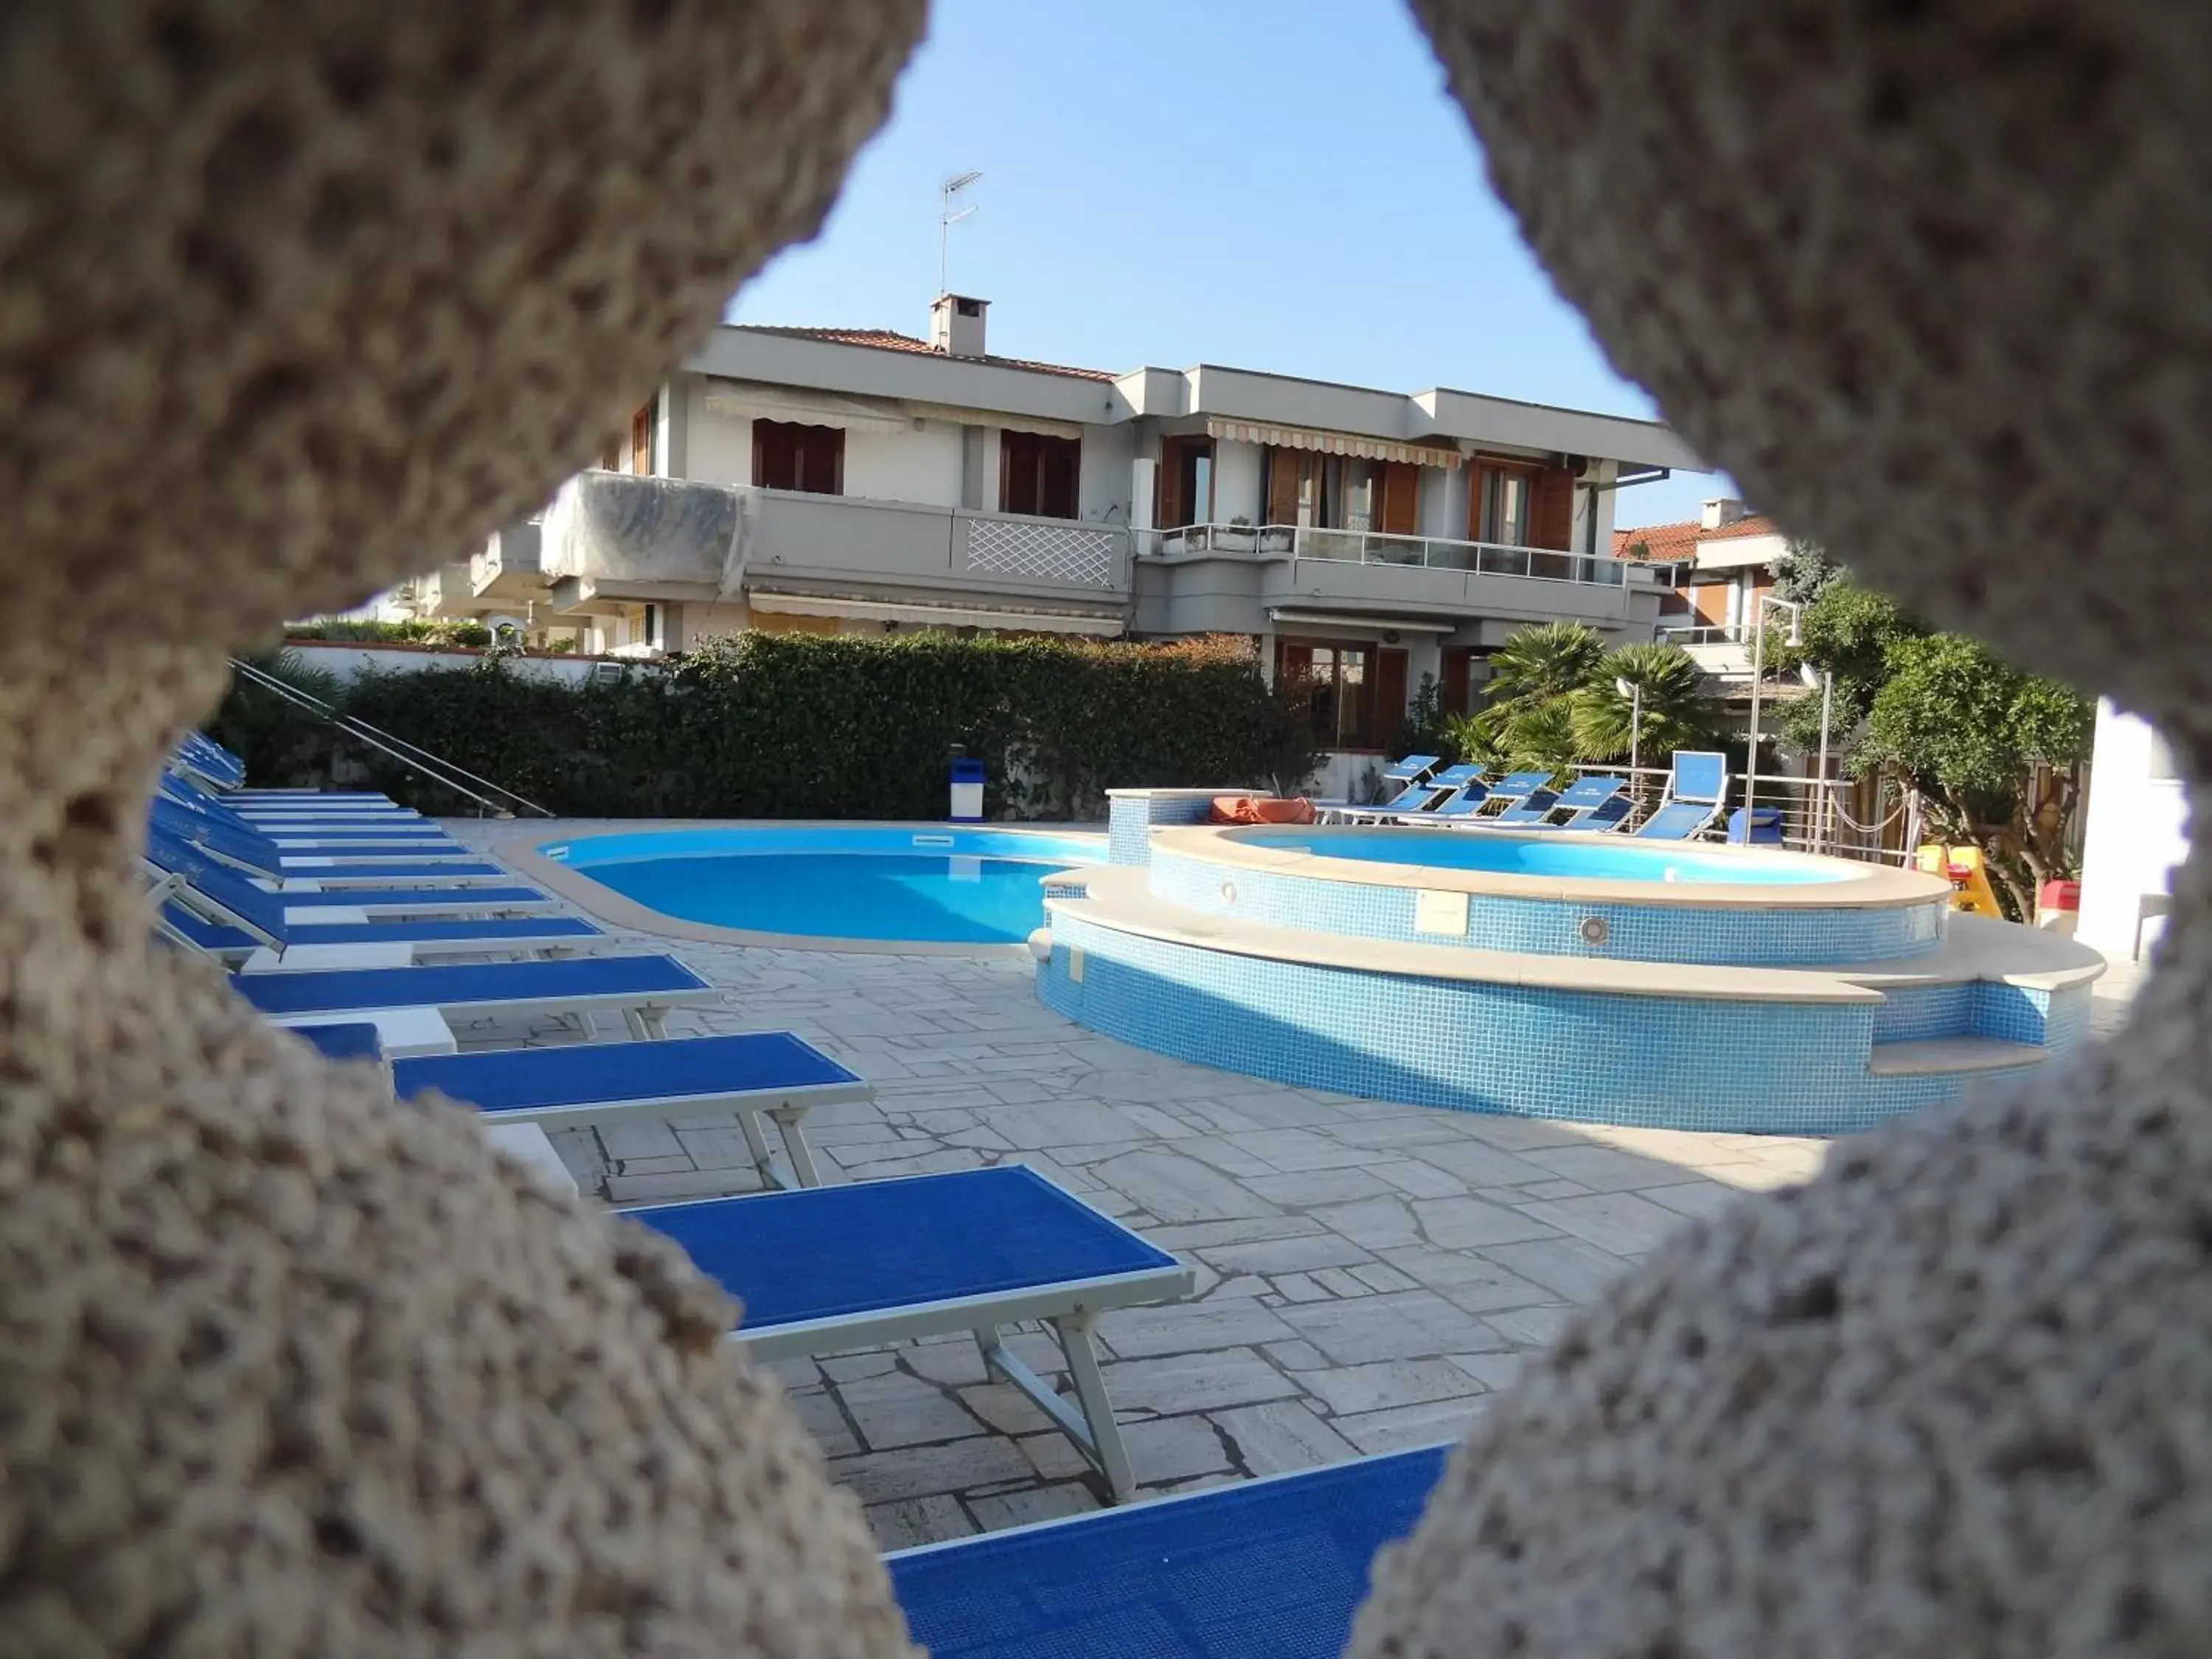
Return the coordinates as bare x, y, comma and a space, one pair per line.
1634, 692
1759, 672
1825, 679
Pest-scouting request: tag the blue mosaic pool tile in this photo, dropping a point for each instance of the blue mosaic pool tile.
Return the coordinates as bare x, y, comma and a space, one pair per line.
1917, 1013
1769, 937
1787, 1068
1130, 820
2011, 1013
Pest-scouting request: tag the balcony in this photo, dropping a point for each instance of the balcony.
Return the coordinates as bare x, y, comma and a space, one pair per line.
1722, 652
1232, 576
1376, 548
610, 536
510, 566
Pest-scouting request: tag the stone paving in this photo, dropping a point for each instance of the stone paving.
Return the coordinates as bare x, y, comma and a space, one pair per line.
1369, 1275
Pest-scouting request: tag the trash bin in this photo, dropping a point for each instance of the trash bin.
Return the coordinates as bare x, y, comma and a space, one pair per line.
1756, 826
966, 789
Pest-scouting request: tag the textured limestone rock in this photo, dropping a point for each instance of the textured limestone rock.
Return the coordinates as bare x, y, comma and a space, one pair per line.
1933, 282
294, 300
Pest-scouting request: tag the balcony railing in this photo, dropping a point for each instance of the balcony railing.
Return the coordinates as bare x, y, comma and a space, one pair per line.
1374, 547
1705, 634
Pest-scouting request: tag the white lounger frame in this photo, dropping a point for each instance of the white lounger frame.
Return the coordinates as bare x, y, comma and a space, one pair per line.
788, 1107
1071, 1309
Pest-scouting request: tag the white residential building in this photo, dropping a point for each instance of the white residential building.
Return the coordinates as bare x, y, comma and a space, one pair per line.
2135, 833
832, 480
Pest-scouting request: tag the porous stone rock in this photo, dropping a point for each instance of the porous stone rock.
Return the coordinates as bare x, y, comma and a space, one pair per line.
1932, 281
294, 301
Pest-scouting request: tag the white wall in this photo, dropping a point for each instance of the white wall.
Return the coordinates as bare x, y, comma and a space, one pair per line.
720, 448
921, 464
1103, 494
2135, 833
347, 660
1238, 482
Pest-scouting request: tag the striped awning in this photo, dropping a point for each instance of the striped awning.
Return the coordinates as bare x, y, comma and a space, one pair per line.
1331, 443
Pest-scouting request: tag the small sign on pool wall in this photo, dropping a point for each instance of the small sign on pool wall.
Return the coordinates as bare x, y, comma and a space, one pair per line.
1439, 912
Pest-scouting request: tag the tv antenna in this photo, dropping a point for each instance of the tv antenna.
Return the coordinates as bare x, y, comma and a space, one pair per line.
948, 216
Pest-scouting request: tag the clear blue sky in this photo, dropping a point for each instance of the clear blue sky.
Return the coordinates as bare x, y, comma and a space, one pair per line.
1277, 184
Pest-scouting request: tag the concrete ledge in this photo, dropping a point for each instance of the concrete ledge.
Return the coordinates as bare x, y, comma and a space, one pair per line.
1856, 885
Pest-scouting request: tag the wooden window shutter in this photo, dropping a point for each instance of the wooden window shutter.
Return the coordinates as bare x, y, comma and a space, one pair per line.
1401, 496
1285, 468
641, 441
1292, 662
1552, 509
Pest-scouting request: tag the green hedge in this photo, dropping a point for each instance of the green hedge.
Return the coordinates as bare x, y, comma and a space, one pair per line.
797, 726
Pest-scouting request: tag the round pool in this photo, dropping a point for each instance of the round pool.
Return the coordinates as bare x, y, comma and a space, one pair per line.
875, 883
1552, 854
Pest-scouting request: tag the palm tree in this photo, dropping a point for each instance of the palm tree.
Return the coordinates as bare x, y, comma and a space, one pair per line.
1539, 664
1676, 711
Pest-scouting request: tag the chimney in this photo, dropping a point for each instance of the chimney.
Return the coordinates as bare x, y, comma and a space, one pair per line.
956, 325
1721, 510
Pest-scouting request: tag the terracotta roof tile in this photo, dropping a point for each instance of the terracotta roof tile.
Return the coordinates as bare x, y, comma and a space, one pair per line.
1673, 543
884, 339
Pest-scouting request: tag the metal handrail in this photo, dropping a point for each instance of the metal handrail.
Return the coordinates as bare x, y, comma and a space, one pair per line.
1379, 547
443, 773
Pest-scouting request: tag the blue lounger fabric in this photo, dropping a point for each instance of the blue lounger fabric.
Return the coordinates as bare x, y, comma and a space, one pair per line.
581, 1074
1267, 1569
356, 1042
833, 1251
215, 936
589, 978
398, 898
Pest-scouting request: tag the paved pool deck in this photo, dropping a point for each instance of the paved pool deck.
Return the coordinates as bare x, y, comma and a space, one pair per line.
1369, 1275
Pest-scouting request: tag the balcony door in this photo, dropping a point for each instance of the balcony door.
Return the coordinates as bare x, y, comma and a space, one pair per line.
1352, 692
1185, 481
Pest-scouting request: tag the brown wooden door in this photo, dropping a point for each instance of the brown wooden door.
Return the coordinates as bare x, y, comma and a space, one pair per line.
1552, 510
641, 441
1456, 681
1390, 705
1171, 514
1400, 513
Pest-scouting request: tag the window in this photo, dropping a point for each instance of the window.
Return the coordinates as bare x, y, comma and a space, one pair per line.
1354, 693
789, 456
1038, 475
641, 441
1185, 481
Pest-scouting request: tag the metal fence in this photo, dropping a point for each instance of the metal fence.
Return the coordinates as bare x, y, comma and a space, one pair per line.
1374, 547
1845, 818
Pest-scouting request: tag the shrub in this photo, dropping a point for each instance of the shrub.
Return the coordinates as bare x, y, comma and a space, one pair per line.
801, 725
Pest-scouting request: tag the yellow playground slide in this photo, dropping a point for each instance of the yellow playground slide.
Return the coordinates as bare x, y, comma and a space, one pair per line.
1962, 867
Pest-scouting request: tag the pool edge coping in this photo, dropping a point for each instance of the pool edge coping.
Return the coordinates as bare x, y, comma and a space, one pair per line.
1879, 888
518, 849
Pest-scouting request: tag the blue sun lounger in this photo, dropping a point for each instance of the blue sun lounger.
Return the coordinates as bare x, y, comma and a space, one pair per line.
835, 1268
755, 1074
350, 1041
1427, 797
641, 989
1269, 1569
223, 913
221, 834
1592, 803
1696, 791
1522, 798
1405, 776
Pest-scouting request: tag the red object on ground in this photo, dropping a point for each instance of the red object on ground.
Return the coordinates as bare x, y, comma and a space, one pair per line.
2059, 895
1261, 809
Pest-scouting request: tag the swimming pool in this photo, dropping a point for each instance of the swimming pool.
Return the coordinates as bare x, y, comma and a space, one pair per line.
1549, 853
877, 884
1559, 975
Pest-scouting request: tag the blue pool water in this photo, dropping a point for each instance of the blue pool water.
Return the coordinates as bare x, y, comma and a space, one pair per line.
1503, 853
871, 882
